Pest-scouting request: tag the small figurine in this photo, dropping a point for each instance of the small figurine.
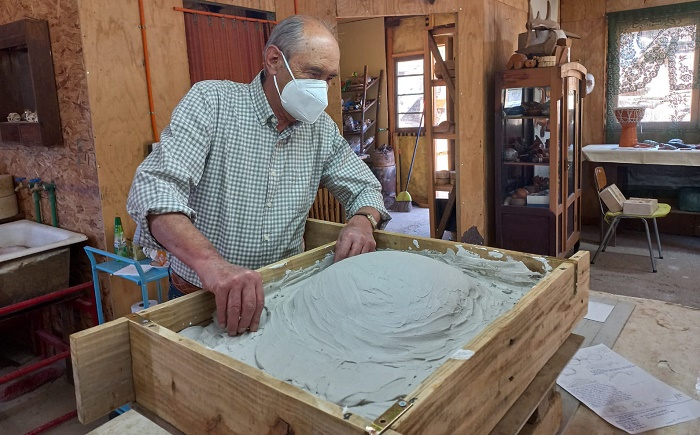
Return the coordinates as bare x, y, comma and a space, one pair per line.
14, 117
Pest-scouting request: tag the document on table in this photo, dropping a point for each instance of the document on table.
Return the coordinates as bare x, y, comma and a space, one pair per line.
623, 394
598, 311
130, 270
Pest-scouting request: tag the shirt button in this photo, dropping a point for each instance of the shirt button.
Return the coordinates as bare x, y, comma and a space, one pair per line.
266, 238
273, 173
268, 205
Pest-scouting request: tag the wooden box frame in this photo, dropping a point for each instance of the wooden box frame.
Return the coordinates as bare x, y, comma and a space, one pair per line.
142, 359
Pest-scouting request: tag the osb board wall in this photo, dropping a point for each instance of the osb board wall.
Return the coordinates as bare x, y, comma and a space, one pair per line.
362, 43
71, 166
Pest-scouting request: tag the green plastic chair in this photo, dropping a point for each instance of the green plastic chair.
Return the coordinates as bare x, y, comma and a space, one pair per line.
614, 218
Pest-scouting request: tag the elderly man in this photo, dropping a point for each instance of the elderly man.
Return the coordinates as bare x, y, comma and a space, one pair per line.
228, 188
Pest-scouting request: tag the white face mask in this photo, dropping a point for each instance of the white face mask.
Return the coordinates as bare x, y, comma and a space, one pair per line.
304, 99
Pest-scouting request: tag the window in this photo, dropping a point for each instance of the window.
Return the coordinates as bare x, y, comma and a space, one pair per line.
653, 59
409, 92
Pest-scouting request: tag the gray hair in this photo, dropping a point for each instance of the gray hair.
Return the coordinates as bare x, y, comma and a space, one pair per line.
289, 33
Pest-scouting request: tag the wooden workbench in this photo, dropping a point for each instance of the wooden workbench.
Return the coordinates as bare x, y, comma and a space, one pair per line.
142, 359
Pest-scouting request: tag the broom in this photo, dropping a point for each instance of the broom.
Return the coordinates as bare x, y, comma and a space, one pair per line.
403, 199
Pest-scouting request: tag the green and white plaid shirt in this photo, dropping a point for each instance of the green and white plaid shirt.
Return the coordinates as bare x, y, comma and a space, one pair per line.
247, 187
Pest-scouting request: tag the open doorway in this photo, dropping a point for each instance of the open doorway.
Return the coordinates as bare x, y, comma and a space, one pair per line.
414, 95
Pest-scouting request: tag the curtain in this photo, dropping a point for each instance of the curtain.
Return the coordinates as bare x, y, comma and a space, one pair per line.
221, 48
653, 62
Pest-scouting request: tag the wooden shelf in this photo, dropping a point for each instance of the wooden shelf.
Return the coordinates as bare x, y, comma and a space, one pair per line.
443, 187
357, 133
526, 117
451, 136
367, 107
360, 88
28, 83
525, 164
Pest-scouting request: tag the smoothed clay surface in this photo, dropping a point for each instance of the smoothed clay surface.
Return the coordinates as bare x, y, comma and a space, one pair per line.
366, 330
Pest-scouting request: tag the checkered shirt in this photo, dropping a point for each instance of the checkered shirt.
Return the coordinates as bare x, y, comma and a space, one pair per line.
246, 187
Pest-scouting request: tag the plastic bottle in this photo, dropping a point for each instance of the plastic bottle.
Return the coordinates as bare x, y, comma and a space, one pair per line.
119, 239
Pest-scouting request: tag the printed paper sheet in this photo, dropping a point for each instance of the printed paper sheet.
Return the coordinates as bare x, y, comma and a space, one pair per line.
622, 393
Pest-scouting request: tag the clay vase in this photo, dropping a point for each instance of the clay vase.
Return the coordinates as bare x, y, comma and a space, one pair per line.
628, 117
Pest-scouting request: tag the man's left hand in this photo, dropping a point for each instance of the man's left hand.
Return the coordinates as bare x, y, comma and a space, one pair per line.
355, 238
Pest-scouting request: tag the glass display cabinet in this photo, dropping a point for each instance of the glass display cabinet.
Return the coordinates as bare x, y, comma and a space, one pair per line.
538, 159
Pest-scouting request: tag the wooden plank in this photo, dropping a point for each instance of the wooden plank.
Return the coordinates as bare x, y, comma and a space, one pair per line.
101, 358
393, 8
473, 395
131, 422
222, 395
549, 424
470, 155
546, 378
284, 9
319, 233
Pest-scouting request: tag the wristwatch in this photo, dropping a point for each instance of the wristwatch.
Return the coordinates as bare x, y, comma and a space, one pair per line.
369, 217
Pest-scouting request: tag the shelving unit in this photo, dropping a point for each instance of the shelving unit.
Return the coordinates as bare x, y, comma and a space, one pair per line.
28, 83
367, 95
538, 159
439, 74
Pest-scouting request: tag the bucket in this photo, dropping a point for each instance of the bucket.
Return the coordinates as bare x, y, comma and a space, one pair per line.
384, 168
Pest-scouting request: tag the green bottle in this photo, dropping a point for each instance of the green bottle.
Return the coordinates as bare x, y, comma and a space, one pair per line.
119, 239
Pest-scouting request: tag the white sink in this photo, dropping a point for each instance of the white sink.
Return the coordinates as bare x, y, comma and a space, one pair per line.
23, 238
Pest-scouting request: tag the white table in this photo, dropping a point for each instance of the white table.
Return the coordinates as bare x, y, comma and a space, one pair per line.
613, 153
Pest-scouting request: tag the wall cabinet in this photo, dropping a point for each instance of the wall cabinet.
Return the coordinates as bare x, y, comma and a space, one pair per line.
361, 102
538, 159
27, 83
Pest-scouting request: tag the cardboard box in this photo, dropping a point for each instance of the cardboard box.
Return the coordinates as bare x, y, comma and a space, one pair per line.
613, 198
640, 206
538, 201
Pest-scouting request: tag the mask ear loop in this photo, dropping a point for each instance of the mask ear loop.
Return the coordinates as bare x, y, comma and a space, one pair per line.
274, 78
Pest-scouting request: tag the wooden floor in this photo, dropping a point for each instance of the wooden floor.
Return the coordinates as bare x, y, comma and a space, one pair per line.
661, 338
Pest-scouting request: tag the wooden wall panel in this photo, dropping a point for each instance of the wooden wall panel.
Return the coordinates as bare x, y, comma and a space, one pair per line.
470, 155
167, 49
391, 8
261, 5
71, 166
326, 10
284, 9
504, 20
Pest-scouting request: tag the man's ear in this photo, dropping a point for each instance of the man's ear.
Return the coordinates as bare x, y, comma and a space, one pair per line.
271, 60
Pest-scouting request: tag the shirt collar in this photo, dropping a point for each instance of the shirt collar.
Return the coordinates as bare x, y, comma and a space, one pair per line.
260, 104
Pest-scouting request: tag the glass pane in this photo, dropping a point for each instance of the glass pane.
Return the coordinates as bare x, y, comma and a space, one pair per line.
571, 134
408, 67
657, 72
442, 162
410, 103
409, 85
439, 107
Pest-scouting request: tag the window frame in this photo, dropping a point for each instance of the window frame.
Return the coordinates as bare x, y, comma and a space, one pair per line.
405, 58
651, 19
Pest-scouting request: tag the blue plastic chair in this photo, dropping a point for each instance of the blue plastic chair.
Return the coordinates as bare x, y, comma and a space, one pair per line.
116, 263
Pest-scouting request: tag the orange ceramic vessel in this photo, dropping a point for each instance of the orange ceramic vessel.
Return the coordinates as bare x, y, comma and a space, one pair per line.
628, 117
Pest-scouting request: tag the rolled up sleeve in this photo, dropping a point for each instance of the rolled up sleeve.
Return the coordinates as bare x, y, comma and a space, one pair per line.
165, 179
349, 179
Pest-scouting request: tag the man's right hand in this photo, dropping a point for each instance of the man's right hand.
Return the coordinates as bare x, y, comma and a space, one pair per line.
239, 295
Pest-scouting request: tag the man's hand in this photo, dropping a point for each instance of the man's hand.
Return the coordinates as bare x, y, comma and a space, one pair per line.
239, 295
238, 291
355, 238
